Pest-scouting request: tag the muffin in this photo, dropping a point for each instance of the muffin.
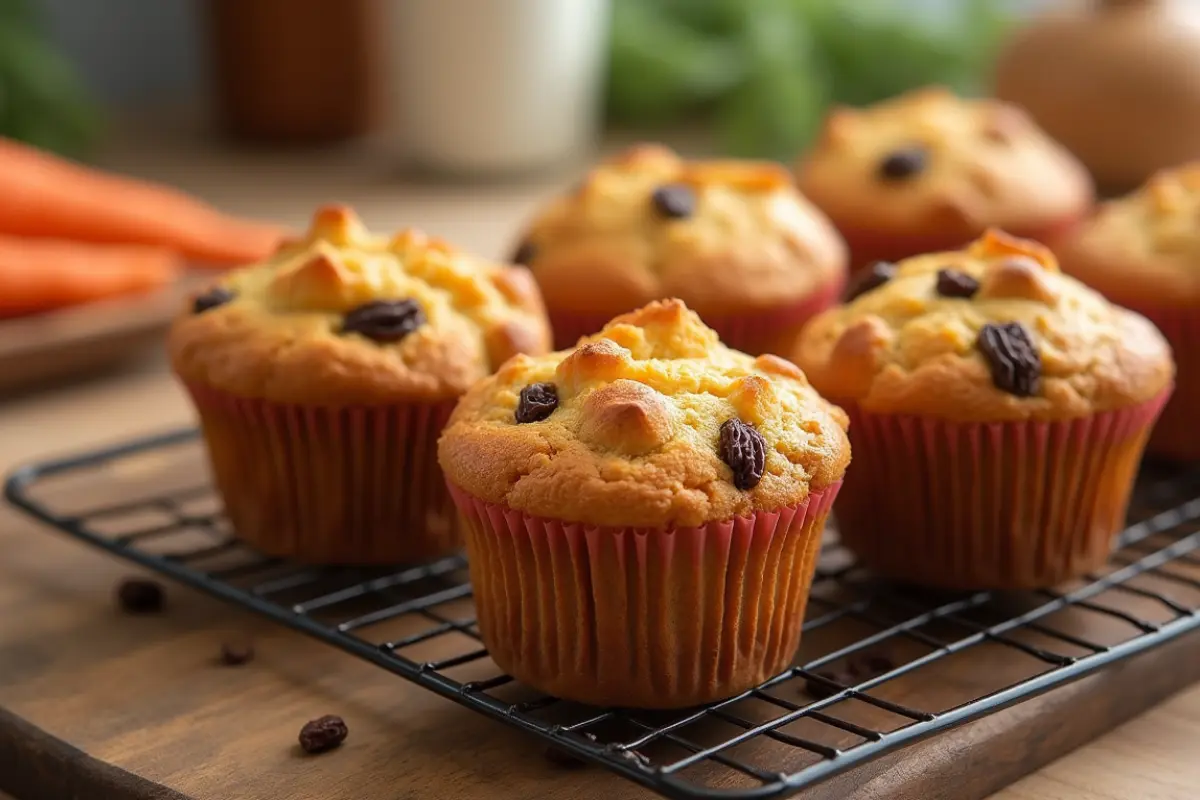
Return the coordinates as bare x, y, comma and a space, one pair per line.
733, 239
322, 377
643, 513
1143, 252
999, 410
928, 171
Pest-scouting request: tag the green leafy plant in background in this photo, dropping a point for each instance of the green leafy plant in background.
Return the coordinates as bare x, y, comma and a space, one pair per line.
762, 72
41, 100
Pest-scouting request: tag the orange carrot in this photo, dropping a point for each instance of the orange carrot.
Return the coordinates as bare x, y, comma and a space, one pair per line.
42, 195
43, 274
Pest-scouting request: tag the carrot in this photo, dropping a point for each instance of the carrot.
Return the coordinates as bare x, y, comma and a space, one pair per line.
43, 274
42, 195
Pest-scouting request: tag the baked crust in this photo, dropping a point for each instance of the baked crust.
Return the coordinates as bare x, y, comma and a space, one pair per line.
280, 338
987, 165
1143, 249
903, 349
752, 242
634, 439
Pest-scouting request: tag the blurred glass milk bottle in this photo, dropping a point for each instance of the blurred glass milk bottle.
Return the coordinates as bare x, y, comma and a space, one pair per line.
495, 86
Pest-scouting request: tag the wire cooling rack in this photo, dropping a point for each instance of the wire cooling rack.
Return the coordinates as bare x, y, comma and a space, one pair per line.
867, 676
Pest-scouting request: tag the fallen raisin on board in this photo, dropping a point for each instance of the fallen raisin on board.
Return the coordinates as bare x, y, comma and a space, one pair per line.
902, 164
140, 596
537, 401
384, 320
1012, 358
955, 283
819, 690
562, 758
865, 666
744, 450
870, 278
322, 734
235, 654
674, 201
524, 254
857, 668
216, 296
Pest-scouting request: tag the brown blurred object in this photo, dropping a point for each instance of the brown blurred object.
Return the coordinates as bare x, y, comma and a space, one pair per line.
294, 71
1116, 81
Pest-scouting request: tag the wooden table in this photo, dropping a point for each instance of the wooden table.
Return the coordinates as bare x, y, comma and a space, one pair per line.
1151, 758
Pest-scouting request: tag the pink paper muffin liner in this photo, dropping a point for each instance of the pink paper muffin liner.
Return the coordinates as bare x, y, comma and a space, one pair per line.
772, 330
990, 506
1177, 434
323, 485
642, 618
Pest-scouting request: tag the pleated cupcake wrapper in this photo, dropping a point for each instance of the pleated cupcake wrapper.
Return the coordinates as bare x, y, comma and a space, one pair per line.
981, 506
351, 485
642, 618
771, 330
1177, 434
868, 246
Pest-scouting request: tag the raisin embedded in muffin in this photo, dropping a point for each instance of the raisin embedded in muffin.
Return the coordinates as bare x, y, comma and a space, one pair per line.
1000, 409
323, 375
661, 491
733, 239
929, 171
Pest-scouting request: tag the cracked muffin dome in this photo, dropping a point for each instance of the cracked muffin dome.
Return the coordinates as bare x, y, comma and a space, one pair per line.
1143, 249
344, 317
929, 170
994, 332
732, 239
650, 423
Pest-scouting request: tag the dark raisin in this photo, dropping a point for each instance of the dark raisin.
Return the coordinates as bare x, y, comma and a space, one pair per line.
140, 596
538, 401
955, 283
216, 296
237, 653
524, 254
870, 278
819, 690
902, 164
324, 733
1014, 361
869, 665
674, 201
562, 758
384, 320
857, 668
745, 451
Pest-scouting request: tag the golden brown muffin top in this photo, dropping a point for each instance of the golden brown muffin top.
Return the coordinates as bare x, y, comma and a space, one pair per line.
639, 425
727, 237
1144, 248
345, 317
929, 161
990, 333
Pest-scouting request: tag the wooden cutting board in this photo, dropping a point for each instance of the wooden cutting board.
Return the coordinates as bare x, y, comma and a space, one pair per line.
146, 696
78, 342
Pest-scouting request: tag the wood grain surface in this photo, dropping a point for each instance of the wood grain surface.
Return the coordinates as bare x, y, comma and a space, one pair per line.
146, 695
88, 339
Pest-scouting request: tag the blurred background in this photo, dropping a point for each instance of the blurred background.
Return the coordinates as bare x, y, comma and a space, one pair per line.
755, 74
461, 116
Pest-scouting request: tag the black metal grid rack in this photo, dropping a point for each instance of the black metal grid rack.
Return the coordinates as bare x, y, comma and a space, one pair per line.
834, 710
